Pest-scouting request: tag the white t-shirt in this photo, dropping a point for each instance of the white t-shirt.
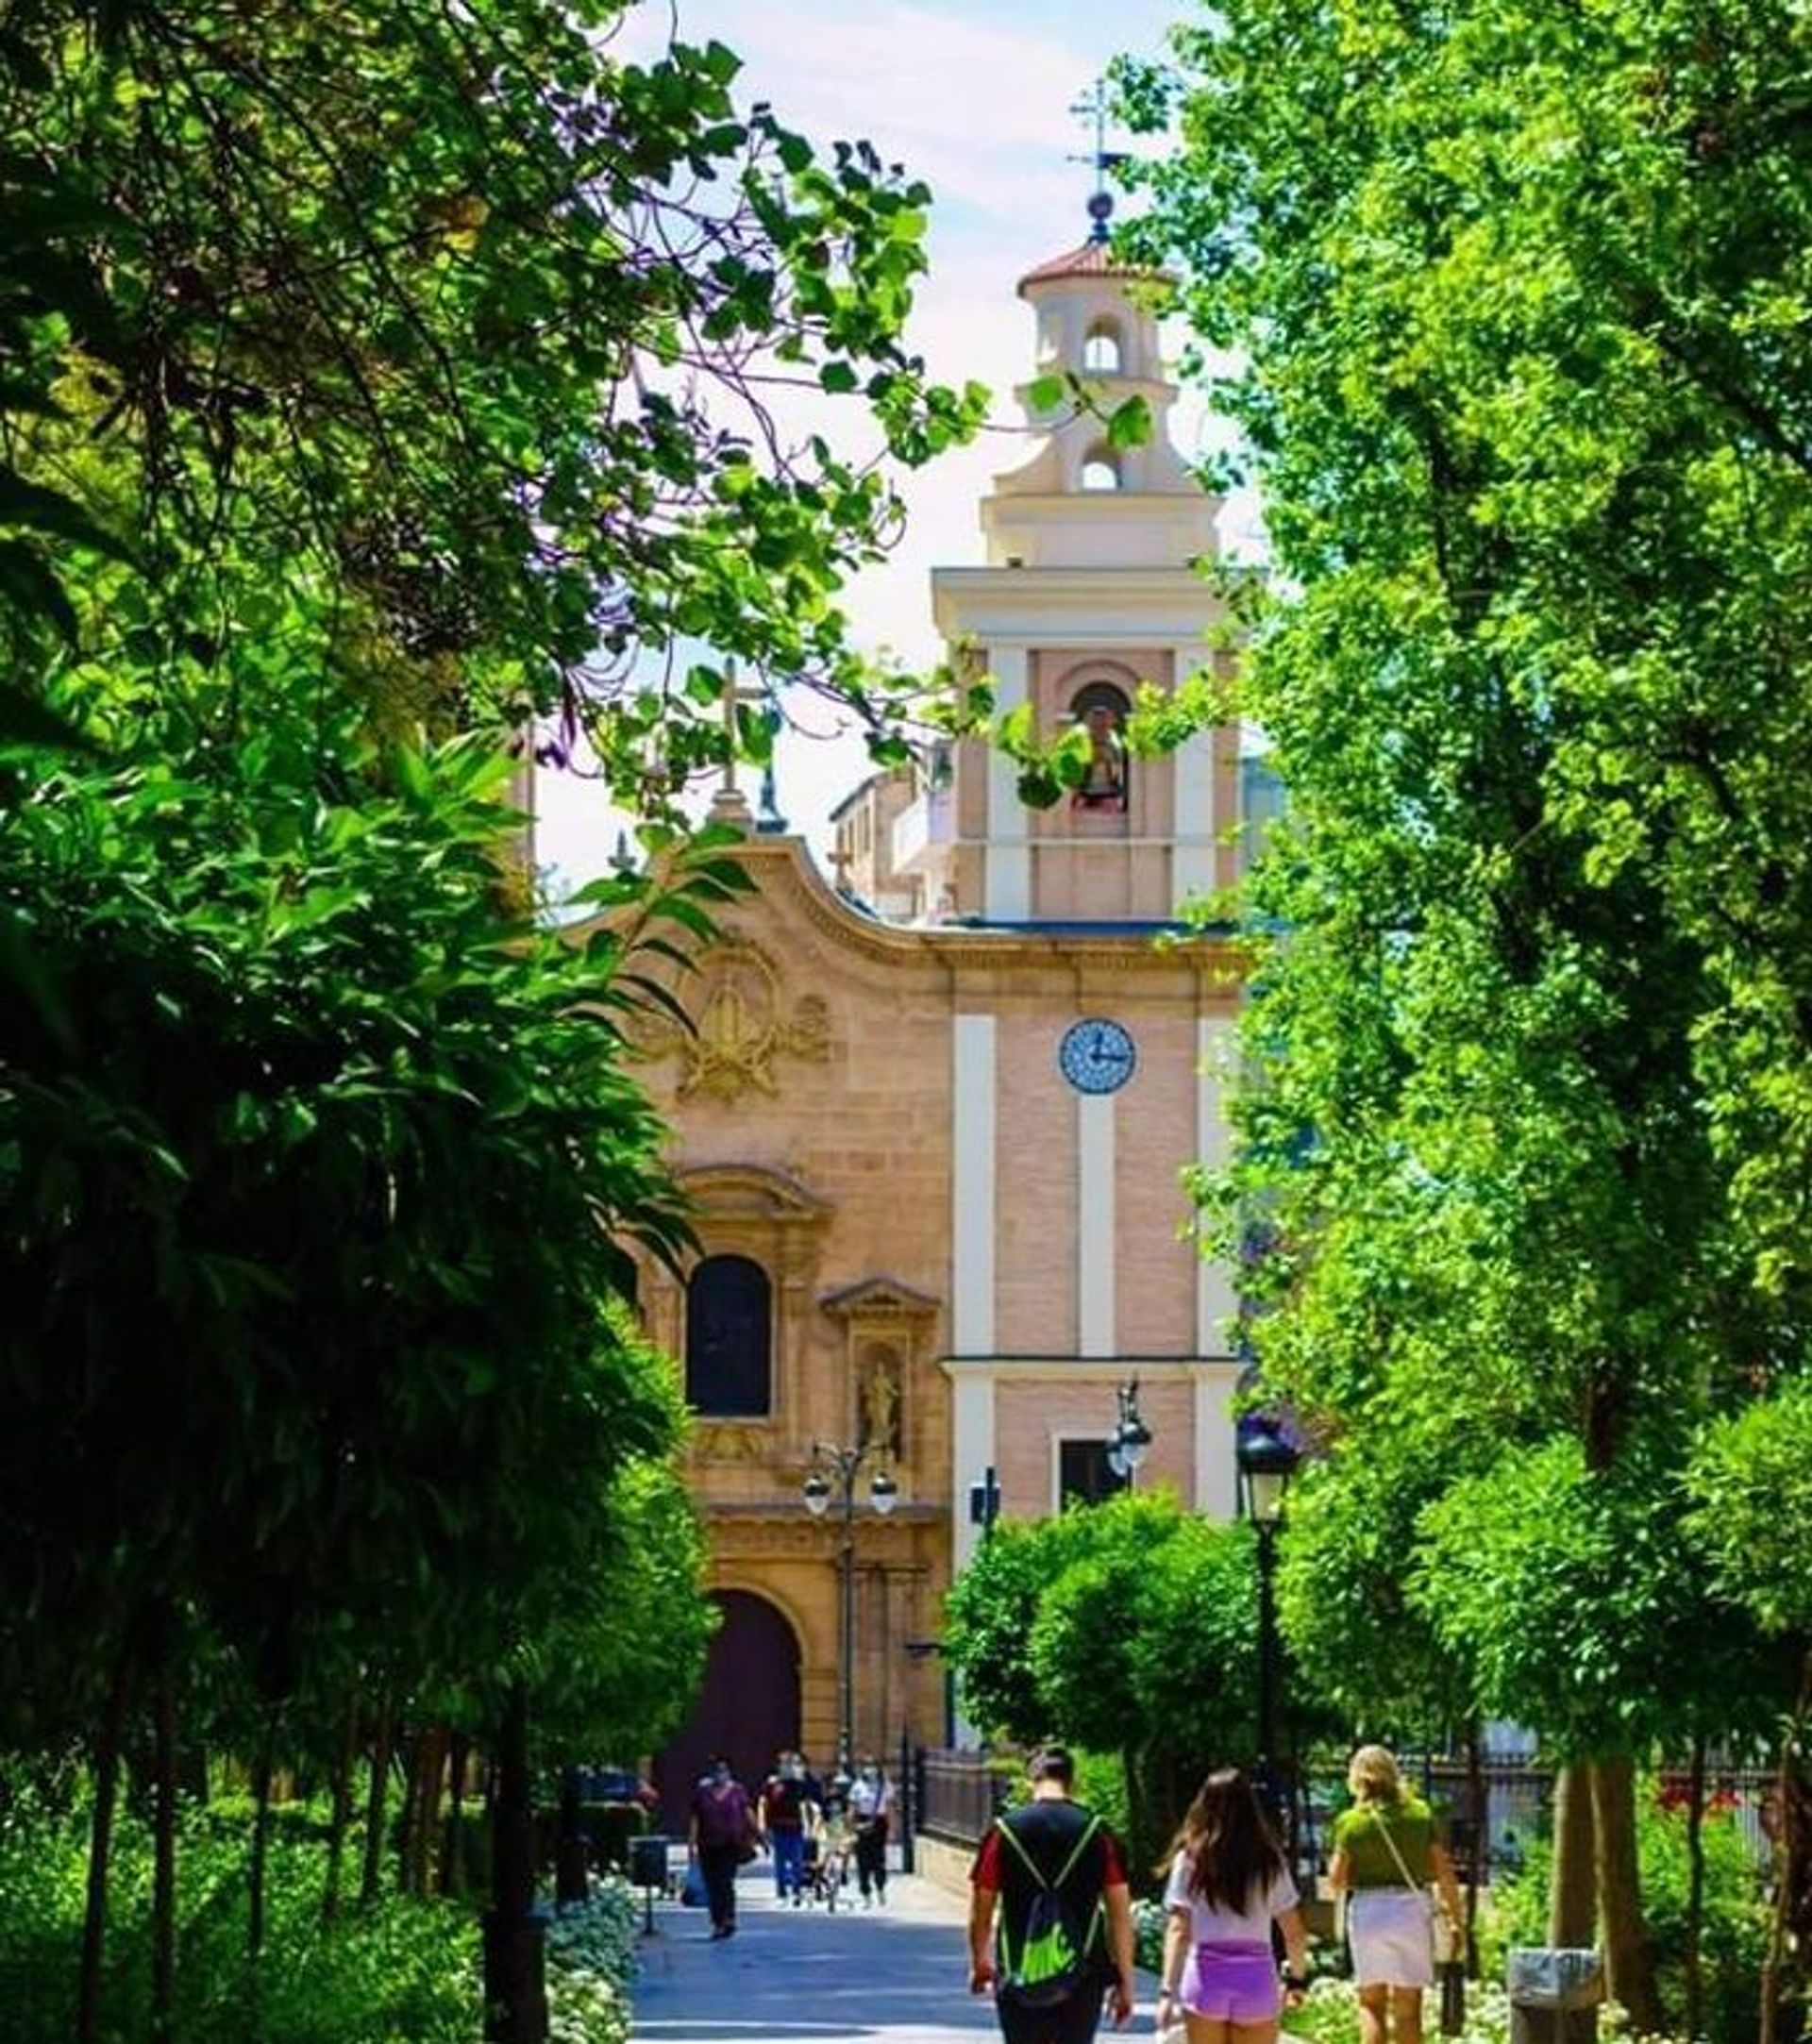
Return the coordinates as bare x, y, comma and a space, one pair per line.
869, 1798
1223, 1926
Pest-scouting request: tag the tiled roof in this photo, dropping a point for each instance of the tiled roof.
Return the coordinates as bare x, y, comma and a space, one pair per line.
1092, 259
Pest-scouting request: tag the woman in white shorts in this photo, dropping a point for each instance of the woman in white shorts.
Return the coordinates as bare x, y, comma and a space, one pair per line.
1391, 1866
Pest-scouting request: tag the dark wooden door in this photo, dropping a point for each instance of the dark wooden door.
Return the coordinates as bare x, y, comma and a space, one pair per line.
749, 1707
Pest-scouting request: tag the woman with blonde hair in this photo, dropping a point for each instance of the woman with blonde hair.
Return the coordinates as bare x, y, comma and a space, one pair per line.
1387, 1856
1225, 1886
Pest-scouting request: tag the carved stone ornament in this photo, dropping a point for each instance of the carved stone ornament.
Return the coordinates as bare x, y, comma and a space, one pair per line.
718, 1441
741, 1024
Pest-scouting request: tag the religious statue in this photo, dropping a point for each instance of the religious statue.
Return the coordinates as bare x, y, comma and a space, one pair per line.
1103, 784
880, 1403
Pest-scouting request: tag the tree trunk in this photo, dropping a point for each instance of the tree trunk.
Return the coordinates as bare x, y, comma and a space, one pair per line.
1629, 1967
100, 1850
1572, 1919
571, 1870
409, 1746
428, 1765
163, 1893
375, 1802
1792, 1861
261, 1839
515, 1995
1477, 1794
452, 1871
1695, 1981
341, 1818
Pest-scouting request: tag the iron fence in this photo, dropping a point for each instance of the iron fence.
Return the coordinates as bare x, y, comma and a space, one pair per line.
960, 1794
1494, 1826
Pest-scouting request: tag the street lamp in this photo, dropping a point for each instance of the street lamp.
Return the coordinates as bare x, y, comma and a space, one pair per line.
1266, 1458
842, 1465
984, 1501
1132, 1436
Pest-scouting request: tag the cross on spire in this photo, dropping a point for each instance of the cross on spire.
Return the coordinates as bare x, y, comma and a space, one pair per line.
1092, 109
729, 804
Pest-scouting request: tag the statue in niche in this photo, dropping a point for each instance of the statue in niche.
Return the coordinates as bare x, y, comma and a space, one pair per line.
880, 1403
1101, 711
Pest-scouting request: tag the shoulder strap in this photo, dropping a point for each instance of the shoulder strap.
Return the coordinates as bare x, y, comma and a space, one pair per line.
1409, 1881
1089, 1830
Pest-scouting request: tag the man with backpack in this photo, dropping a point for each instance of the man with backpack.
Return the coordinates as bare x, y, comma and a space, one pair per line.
1055, 1877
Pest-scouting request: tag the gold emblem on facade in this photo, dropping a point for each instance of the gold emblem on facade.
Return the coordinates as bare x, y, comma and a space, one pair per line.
743, 1024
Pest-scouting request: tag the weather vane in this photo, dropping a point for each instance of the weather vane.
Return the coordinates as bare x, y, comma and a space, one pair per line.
1093, 108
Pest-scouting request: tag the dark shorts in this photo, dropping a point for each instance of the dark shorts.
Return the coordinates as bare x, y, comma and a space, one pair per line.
1073, 2021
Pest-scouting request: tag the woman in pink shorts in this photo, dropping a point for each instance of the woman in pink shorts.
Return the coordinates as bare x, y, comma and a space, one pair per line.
1227, 1885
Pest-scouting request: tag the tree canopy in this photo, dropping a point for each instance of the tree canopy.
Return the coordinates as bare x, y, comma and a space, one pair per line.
1515, 295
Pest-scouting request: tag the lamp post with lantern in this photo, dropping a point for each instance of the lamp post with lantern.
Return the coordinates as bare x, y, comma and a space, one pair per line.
834, 1472
1132, 1436
1267, 1459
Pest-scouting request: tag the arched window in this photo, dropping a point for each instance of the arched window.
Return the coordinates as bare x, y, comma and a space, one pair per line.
729, 1339
1102, 350
1101, 710
1100, 470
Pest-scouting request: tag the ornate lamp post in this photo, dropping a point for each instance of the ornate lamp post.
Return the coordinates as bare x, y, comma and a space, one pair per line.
1132, 1436
1267, 1459
834, 1471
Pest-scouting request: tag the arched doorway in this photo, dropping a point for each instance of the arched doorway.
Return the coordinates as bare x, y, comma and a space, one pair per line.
748, 1708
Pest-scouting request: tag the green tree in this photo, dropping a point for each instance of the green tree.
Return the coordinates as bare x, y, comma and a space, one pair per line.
471, 317
1505, 284
370, 384
1128, 1628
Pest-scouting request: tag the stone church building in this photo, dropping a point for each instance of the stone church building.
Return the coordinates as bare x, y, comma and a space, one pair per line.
938, 1107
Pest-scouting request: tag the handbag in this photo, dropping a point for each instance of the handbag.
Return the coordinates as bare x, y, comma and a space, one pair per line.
1442, 1941
692, 1889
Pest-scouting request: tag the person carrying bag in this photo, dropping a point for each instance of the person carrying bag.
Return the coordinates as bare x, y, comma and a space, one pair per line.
1380, 1845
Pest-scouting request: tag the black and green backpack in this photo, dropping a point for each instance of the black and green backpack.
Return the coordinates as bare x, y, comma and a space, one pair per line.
1058, 1950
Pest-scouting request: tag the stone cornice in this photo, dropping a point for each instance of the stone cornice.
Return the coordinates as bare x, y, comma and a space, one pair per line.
786, 863
1090, 1369
878, 1298
726, 1190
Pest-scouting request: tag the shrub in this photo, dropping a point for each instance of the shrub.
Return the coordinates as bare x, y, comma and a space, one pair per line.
1732, 1935
404, 1972
591, 1963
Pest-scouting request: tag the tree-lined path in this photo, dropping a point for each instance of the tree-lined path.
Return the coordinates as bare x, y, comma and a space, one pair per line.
897, 1974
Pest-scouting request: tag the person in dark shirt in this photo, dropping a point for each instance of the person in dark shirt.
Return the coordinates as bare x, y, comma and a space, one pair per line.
1054, 1877
786, 1816
723, 1830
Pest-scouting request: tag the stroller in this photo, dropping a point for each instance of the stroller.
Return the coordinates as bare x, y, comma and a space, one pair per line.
829, 1854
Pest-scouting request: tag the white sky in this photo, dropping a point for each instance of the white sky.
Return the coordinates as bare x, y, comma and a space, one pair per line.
973, 96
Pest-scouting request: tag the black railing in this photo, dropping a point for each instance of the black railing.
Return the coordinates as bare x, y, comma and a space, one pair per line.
1495, 1827
960, 1794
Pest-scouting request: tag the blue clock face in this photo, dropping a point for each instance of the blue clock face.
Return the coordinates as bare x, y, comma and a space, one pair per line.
1097, 1055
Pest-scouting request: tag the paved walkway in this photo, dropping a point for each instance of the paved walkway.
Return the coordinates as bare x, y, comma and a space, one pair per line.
899, 1972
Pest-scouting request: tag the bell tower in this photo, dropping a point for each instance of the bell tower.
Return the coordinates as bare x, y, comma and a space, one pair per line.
1090, 589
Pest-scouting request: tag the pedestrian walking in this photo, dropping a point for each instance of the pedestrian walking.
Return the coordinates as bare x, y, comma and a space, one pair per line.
871, 1802
785, 1816
721, 1837
1226, 1885
1388, 1857
1050, 1917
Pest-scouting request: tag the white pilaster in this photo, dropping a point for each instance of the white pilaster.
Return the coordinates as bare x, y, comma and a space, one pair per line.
1216, 1043
1006, 855
1192, 870
1217, 1472
971, 1452
972, 1198
1094, 1237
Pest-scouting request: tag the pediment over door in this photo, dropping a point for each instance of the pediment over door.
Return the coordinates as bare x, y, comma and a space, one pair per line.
878, 1298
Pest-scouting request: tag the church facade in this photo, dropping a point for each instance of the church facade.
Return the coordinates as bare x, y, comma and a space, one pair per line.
935, 1109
